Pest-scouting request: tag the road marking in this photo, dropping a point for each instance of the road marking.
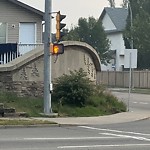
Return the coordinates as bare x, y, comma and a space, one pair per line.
116, 131
127, 136
97, 146
71, 138
143, 103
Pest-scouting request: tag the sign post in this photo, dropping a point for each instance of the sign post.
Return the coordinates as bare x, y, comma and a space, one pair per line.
130, 62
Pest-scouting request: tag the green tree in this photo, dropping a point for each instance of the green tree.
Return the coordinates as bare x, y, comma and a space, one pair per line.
92, 32
139, 31
111, 3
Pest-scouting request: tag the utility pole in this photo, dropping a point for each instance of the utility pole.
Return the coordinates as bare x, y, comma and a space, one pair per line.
47, 58
131, 42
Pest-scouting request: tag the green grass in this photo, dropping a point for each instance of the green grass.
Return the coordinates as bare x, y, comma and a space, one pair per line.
102, 104
23, 122
140, 91
134, 90
32, 106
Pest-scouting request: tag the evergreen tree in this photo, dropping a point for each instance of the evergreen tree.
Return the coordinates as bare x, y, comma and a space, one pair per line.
92, 32
139, 31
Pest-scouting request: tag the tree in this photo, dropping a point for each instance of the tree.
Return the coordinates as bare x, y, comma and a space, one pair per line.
139, 31
92, 32
125, 4
112, 3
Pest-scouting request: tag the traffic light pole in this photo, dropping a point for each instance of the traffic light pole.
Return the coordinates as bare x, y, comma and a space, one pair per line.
47, 58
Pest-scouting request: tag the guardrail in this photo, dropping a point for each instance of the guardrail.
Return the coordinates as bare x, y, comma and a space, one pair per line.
9, 55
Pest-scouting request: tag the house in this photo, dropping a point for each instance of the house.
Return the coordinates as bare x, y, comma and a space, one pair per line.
21, 24
114, 23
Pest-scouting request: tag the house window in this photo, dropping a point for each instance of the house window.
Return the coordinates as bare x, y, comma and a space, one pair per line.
3, 27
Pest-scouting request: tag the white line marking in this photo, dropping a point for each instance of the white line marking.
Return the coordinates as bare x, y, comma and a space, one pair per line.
127, 136
70, 138
96, 146
144, 103
109, 130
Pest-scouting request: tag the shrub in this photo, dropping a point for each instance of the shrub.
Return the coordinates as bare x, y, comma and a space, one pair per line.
73, 89
76, 95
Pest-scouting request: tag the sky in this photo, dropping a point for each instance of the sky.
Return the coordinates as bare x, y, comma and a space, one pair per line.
73, 9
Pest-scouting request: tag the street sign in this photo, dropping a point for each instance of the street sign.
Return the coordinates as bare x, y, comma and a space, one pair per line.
130, 54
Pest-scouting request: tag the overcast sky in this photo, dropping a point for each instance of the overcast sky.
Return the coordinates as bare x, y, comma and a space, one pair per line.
73, 9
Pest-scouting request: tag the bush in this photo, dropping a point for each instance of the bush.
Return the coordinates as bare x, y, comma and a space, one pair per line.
73, 89
76, 95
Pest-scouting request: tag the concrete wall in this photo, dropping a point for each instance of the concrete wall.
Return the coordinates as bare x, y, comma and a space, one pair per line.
13, 15
25, 74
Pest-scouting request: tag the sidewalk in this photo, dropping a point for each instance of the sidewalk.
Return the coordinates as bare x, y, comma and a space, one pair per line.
110, 119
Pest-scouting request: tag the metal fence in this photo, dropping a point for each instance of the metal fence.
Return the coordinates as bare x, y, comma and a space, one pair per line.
8, 55
140, 79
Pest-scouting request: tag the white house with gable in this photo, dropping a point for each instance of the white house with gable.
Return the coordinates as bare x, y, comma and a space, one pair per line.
114, 22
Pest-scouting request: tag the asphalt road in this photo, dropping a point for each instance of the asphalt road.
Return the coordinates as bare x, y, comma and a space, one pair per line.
135, 102
126, 136
121, 136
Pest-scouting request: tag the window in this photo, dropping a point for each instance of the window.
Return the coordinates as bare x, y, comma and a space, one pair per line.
3, 27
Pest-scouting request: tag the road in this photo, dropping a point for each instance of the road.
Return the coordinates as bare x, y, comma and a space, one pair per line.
120, 136
126, 136
137, 102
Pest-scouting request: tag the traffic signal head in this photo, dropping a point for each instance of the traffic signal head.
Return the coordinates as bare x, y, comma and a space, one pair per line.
57, 49
59, 26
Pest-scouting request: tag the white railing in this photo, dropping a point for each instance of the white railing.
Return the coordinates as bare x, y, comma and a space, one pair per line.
7, 57
21, 50
24, 48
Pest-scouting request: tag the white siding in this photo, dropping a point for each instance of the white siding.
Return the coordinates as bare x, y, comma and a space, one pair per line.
117, 43
108, 24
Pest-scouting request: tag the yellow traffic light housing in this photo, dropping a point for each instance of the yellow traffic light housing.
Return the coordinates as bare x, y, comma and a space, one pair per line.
59, 26
56, 49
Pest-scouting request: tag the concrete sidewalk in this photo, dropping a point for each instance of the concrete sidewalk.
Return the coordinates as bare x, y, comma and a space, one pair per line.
110, 119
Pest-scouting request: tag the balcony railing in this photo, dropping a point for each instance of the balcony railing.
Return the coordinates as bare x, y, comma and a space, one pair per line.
21, 49
24, 48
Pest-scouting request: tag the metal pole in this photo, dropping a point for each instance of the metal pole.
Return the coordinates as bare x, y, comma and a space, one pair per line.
131, 18
131, 44
47, 58
129, 83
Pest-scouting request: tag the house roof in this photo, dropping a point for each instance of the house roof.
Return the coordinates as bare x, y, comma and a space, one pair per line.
118, 17
34, 10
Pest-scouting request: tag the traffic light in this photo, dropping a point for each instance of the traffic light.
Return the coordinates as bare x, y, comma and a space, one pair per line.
59, 26
56, 49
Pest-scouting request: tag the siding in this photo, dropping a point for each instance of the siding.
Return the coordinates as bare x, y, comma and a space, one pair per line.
13, 15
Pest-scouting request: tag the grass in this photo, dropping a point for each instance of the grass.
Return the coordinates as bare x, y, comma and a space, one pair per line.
140, 91
32, 106
103, 104
134, 90
23, 122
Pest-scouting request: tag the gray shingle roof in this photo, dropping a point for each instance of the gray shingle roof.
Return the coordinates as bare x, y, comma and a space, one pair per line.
117, 15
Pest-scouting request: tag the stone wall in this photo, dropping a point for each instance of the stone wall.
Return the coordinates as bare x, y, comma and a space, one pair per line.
25, 75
